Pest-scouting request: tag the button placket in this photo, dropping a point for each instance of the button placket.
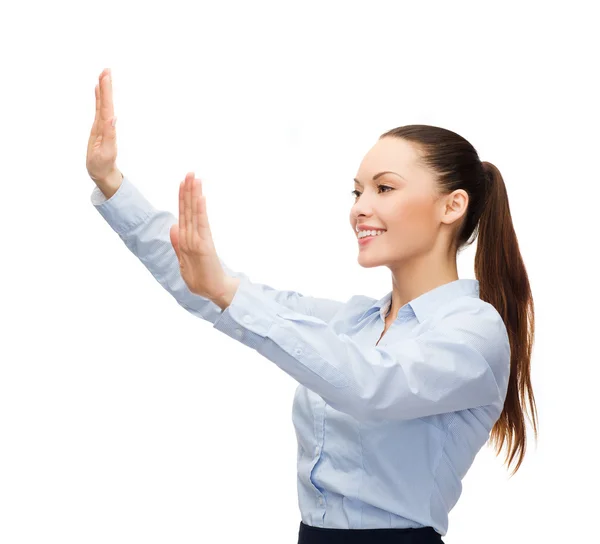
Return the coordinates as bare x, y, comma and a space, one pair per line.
319, 422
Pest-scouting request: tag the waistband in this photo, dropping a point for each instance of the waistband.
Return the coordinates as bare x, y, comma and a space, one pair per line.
321, 535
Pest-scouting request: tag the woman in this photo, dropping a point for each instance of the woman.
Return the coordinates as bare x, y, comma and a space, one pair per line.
396, 396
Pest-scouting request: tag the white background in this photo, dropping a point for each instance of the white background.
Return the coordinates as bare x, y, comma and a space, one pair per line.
123, 418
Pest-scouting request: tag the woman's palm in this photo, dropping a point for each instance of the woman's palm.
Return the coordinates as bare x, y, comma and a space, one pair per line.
102, 144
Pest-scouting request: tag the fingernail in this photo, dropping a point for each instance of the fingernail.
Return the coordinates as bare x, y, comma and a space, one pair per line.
114, 121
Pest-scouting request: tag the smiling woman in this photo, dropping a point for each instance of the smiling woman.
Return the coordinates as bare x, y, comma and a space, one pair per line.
440, 198
395, 396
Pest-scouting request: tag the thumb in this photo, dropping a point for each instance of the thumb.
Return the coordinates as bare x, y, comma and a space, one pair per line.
174, 233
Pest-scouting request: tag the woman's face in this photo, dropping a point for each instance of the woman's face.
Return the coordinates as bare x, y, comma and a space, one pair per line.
404, 203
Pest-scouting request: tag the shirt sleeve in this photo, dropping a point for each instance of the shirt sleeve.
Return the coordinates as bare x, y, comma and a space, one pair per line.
454, 365
145, 230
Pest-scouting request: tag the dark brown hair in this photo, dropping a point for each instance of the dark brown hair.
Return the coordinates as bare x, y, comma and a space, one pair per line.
499, 267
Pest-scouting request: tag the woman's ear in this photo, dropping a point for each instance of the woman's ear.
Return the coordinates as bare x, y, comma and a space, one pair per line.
455, 206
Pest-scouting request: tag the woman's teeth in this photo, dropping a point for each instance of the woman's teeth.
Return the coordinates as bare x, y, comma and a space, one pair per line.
365, 233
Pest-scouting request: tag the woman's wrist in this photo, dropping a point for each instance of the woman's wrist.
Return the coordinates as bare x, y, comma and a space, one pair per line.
110, 185
231, 287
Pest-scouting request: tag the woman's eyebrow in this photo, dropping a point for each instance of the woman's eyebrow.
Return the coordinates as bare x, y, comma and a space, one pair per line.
379, 175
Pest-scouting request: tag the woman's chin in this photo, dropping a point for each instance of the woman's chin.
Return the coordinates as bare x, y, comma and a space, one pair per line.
367, 262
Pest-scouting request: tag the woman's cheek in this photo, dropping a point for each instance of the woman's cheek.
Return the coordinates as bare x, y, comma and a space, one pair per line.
417, 222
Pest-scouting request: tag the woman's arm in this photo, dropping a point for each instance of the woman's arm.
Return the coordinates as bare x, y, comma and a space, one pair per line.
145, 231
461, 361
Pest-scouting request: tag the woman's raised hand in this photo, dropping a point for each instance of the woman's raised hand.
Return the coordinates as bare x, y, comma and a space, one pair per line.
102, 145
192, 240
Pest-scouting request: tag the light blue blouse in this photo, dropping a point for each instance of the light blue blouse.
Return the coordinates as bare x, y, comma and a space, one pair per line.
385, 433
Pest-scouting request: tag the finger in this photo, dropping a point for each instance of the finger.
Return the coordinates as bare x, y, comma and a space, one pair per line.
97, 115
201, 213
202, 221
94, 131
181, 213
188, 208
106, 99
195, 212
203, 226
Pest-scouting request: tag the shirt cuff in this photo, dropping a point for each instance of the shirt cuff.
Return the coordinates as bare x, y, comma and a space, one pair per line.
124, 210
249, 316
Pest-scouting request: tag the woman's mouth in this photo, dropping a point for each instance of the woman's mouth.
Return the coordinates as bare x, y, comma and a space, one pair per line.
367, 239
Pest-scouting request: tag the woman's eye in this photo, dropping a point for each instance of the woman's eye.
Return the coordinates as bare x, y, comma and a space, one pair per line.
357, 193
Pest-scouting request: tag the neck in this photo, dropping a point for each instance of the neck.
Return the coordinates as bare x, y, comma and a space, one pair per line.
411, 280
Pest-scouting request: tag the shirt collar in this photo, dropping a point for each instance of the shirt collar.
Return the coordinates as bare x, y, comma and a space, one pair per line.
424, 305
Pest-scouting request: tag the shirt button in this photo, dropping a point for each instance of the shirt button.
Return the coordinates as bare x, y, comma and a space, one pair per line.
238, 332
247, 319
298, 351
320, 501
317, 450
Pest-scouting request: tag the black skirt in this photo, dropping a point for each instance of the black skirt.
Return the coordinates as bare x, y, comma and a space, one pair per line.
321, 535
